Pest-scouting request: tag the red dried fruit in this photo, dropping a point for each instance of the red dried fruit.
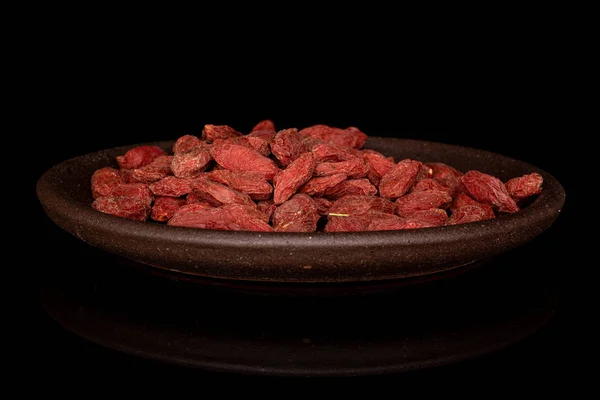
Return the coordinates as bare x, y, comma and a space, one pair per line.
298, 214
430, 218
139, 156
246, 211
254, 143
122, 206
127, 175
193, 207
525, 186
139, 191
288, 181
446, 175
191, 163
287, 145
159, 168
462, 199
265, 124
425, 172
220, 219
349, 137
212, 132
323, 205
171, 186
185, 143
327, 152
356, 205
242, 159
488, 189
355, 168
217, 194
267, 207
254, 185
419, 201
165, 207
347, 223
317, 186
353, 187
266, 135
430, 184
378, 164
467, 214
390, 222
104, 180
399, 179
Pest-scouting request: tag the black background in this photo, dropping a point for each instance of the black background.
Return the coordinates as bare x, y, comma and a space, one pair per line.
94, 104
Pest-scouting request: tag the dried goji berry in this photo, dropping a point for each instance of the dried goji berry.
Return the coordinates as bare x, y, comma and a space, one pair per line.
419, 201
212, 132
254, 143
254, 185
218, 194
219, 218
139, 191
446, 175
525, 186
327, 152
139, 156
323, 205
287, 145
267, 135
242, 159
298, 214
121, 206
267, 207
318, 185
356, 187
354, 168
399, 179
171, 186
193, 207
191, 163
356, 205
165, 207
265, 124
378, 164
430, 184
462, 199
349, 137
185, 143
488, 189
159, 168
430, 218
289, 180
467, 214
104, 180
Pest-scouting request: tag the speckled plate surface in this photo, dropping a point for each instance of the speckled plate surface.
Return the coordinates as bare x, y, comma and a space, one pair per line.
65, 194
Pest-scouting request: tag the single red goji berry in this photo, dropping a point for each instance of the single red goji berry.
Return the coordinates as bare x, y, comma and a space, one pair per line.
298, 214
104, 180
525, 186
289, 180
399, 179
139, 156
171, 186
165, 207
242, 159
488, 189
212, 132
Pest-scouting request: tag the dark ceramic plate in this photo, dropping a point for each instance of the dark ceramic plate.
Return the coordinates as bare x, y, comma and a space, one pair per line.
65, 194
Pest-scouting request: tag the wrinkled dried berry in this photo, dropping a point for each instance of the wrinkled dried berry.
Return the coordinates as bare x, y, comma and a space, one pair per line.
446, 175
349, 137
419, 201
488, 189
267, 207
399, 179
220, 218
318, 185
104, 180
352, 187
125, 207
267, 135
430, 184
193, 207
462, 199
466, 214
171, 186
430, 218
525, 186
356, 205
287, 146
254, 185
378, 164
354, 168
139, 191
212, 132
165, 207
265, 124
191, 163
139, 157
242, 159
254, 143
159, 168
288, 181
323, 205
218, 194
298, 214
327, 152
185, 143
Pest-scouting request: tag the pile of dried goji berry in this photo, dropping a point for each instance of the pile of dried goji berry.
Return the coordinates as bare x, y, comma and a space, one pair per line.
317, 178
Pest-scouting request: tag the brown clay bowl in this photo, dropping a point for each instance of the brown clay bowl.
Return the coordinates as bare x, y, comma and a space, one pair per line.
65, 194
